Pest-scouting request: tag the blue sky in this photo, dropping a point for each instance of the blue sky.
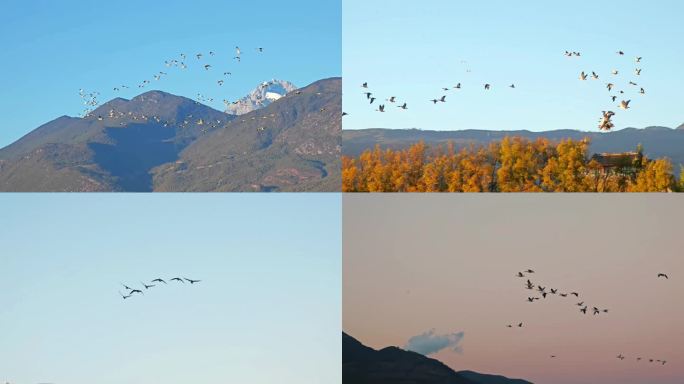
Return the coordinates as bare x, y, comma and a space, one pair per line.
412, 49
52, 49
268, 309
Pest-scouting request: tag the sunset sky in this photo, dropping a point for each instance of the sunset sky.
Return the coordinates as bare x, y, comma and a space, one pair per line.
413, 263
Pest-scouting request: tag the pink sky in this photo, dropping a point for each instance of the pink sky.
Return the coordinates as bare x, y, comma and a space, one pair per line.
416, 262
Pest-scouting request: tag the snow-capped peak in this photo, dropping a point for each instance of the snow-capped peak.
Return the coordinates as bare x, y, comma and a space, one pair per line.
263, 95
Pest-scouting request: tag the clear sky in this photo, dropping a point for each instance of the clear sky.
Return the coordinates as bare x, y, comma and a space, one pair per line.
267, 309
52, 49
413, 263
411, 49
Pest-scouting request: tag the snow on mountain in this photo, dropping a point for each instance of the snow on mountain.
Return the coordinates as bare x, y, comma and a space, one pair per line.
263, 95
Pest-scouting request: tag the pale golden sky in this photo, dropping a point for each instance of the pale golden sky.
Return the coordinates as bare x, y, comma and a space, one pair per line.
413, 262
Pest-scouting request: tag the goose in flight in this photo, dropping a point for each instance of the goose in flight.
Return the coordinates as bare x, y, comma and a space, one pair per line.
637, 71
620, 53
159, 281
457, 86
381, 108
127, 287
520, 274
540, 288
532, 299
642, 91
613, 97
443, 99
580, 304
199, 56
624, 104
368, 94
391, 99
584, 310
620, 357
615, 72
147, 286
445, 89
605, 124
178, 279
520, 325
124, 296
434, 101
637, 59
575, 294
372, 99
511, 86
259, 49
529, 271
135, 291
487, 86
403, 106
220, 82
596, 310
594, 75
663, 275
632, 83
207, 66
583, 76
191, 281
364, 85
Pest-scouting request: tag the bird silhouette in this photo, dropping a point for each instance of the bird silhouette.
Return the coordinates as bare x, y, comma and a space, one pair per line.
191, 281
159, 281
178, 279
663, 275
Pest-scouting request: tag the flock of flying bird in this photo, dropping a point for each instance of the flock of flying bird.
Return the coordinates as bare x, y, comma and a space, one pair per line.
133, 291
90, 99
543, 293
605, 122
583, 308
441, 99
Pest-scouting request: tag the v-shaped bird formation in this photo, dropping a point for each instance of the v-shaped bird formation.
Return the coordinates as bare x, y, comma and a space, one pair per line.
154, 283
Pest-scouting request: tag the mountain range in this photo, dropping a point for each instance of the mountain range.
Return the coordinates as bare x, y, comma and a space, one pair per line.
392, 365
657, 141
157, 141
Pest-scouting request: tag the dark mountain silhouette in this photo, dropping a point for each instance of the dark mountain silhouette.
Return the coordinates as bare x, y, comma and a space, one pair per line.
392, 365
130, 145
657, 141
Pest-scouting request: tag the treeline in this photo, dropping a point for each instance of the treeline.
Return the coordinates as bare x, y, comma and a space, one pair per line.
514, 164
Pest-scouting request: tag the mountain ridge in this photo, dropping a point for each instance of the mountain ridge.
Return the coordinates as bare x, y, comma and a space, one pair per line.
657, 141
120, 145
392, 365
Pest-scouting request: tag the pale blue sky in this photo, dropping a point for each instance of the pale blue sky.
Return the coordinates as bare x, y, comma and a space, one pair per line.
267, 311
412, 49
52, 49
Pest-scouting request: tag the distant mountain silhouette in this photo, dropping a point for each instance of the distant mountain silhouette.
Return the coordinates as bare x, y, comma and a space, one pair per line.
392, 365
657, 141
143, 144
